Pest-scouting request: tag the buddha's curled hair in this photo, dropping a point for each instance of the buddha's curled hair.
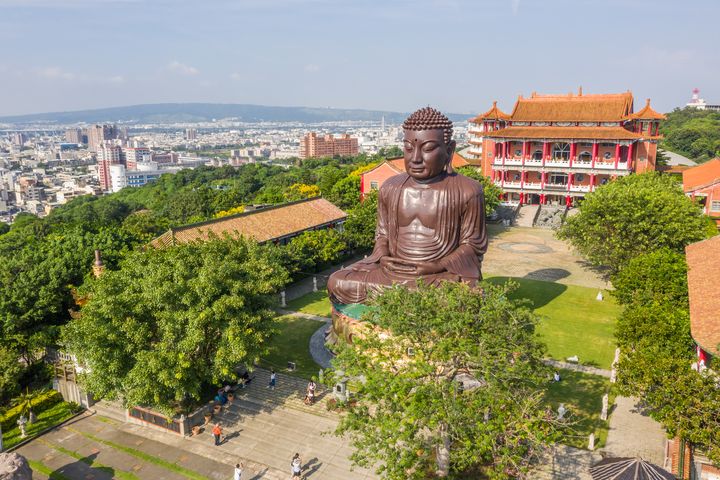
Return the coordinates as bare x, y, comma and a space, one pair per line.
429, 119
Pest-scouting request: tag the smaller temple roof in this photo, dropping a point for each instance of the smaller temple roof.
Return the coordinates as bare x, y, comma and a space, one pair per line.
262, 225
702, 175
493, 114
704, 290
647, 113
570, 133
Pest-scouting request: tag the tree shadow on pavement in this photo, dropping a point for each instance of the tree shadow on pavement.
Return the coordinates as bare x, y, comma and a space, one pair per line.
312, 466
84, 468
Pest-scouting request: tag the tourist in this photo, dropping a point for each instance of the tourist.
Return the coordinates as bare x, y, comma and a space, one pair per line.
556, 376
310, 397
271, 385
238, 471
296, 466
217, 433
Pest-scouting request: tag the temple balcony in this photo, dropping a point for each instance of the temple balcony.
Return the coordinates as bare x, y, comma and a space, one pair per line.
605, 165
556, 186
532, 186
580, 188
510, 185
475, 129
532, 162
557, 162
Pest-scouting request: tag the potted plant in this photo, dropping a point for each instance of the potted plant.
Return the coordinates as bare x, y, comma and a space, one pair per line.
231, 396
216, 408
208, 417
196, 429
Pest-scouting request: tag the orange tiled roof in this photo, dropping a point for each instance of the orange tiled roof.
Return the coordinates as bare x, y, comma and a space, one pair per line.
574, 133
647, 113
398, 163
262, 225
611, 107
493, 114
704, 288
702, 175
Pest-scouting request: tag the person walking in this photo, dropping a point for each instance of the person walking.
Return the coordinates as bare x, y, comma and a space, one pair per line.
238, 471
271, 385
296, 466
310, 396
217, 433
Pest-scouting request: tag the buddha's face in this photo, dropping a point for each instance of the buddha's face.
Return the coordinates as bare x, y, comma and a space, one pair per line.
426, 154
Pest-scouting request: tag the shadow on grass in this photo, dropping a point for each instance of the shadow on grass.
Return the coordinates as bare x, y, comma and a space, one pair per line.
83, 468
538, 292
548, 274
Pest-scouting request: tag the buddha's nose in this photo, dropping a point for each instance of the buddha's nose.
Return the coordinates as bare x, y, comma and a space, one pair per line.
416, 156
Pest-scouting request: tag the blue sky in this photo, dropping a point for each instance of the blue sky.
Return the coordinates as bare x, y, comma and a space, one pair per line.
457, 55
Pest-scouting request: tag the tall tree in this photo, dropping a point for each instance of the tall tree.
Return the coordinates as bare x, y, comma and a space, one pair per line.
633, 215
167, 321
492, 191
447, 383
361, 222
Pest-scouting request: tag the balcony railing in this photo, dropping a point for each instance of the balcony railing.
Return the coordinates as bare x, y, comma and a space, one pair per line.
532, 186
580, 188
582, 163
533, 162
511, 185
556, 186
557, 162
605, 165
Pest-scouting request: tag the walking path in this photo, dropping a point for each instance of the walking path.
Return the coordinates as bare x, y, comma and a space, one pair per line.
634, 434
577, 367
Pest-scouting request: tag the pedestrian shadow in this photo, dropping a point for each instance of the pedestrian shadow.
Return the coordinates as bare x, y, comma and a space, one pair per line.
85, 467
234, 434
312, 466
259, 475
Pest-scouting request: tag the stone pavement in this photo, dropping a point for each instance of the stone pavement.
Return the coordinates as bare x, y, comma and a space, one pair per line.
536, 253
566, 463
634, 434
577, 367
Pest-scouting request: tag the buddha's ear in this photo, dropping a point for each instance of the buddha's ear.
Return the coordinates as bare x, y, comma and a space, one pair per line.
450, 150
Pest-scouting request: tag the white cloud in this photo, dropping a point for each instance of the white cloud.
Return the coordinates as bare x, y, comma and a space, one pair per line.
311, 67
55, 73
236, 76
515, 5
182, 69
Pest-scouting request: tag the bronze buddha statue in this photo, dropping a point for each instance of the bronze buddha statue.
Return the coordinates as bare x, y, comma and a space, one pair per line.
431, 220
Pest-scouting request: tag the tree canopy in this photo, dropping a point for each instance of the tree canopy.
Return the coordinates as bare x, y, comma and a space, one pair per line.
693, 133
155, 330
415, 376
633, 215
492, 191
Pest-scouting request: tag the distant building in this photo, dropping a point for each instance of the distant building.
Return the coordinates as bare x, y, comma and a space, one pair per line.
699, 103
277, 224
74, 135
553, 149
18, 139
97, 134
134, 155
702, 184
107, 155
190, 134
328, 146
374, 179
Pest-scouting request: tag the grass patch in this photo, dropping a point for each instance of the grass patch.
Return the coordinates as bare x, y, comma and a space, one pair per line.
122, 475
314, 303
49, 417
582, 395
144, 456
573, 321
40, 467
291, 344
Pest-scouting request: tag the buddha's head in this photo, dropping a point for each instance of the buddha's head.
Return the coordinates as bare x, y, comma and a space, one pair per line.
428, 145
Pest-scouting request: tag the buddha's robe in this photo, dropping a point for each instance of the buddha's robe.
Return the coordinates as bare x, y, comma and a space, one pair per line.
441, 222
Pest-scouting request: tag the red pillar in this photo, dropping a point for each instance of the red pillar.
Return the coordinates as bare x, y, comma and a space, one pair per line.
573, 152
502, 151
542, 199
630, 156
522, 197
570, 181
595, 150
522, 179
542, 180
568, 201
617, 154
502, 178
592, 182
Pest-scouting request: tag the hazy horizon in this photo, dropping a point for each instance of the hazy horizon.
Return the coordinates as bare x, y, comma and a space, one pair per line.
457, 55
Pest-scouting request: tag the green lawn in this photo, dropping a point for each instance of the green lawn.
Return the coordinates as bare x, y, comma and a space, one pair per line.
582, 395
573, 321
315, 303
53, 415
291, 344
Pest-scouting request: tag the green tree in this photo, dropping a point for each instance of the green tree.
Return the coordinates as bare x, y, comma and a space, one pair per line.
360, 225
346, 192
10, 371
633, 215
315, 249
492, 191
655, 276
447, 380
168, 321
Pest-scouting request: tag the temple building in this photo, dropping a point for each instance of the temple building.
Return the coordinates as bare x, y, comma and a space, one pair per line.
553, 149
702, 184
277, 224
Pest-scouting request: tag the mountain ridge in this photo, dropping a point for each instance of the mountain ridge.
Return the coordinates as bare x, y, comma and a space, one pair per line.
160, 113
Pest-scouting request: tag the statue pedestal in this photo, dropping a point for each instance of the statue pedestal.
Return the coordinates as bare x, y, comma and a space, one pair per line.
346, 322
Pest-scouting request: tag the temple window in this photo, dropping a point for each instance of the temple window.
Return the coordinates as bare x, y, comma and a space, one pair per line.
373, 185
585, 156
537, 155
561, 151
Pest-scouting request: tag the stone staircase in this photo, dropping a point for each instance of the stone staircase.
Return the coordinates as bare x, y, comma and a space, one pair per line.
550, 216
526, 215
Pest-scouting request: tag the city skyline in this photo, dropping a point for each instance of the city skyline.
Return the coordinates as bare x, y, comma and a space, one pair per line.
456, 55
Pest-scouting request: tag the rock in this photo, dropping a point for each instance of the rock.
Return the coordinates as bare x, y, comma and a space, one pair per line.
14, 467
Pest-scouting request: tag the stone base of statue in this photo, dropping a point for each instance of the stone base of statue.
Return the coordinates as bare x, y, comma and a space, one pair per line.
346, 322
